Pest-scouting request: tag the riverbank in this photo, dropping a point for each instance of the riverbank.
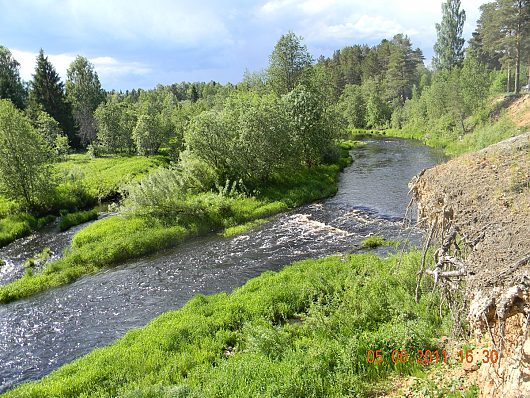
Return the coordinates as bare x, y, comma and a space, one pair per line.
119, 238
506, 116
303, 331
83, 183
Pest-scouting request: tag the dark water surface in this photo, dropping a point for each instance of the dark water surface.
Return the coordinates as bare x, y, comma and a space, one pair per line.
43, 332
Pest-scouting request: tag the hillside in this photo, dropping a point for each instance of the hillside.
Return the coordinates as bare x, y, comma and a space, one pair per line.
477, 208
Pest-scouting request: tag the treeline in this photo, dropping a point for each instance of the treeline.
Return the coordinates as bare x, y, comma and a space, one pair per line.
288, 115
388, 87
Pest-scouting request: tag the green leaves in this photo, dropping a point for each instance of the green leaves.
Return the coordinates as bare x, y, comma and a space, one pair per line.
25, 158
449, 47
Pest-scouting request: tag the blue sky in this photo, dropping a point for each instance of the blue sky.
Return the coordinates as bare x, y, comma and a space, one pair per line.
137, 43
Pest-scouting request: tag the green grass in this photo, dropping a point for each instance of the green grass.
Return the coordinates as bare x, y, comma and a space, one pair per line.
302, 332
83, 182
453, 143
113, 240
350, 144
104, 176
15, 226
70, 220
373, 242
239, 229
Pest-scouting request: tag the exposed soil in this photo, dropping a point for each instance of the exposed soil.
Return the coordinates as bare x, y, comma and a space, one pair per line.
477, 211
519, 111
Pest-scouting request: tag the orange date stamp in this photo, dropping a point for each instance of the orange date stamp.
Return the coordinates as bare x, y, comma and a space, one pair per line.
429, 357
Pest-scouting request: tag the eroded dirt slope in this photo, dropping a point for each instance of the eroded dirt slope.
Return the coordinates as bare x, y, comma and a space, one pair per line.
477, 211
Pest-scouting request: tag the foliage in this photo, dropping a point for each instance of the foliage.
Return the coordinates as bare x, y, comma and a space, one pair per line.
84, 92
47, 94
25, 174
110, 241
11, 87
449, 46
70, 220
50, 130
301, 332
287, 63
312, 127
146, 135
115, 122
500, 36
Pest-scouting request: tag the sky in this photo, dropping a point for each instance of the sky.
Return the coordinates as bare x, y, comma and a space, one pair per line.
139, 44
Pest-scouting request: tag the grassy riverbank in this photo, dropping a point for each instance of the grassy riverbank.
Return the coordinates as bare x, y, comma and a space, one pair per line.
119, 238
508, 117
83, 182
302, 332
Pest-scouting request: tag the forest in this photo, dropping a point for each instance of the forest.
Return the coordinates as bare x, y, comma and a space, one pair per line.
196, 158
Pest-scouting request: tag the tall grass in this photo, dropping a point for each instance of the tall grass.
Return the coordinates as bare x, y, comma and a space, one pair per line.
302, 332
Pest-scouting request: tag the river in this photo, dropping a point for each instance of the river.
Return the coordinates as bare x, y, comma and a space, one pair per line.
41, 333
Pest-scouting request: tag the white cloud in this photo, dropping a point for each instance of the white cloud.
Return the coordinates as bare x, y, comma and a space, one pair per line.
106, 67
162, 21
354, 19
364, 27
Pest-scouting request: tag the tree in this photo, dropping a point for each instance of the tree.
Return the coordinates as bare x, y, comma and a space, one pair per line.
115, 121
503, 28
287, 63
377, 109
353, 106
47, 127
311, 126
402, 71
84, 92
11, 87
449, 46
25, 173
146, 135
47, 94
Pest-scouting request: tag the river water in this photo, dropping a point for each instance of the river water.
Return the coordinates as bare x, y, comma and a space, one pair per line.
39, 334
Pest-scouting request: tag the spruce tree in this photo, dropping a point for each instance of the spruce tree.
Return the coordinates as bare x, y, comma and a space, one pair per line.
47, 94
449, 46
11, 87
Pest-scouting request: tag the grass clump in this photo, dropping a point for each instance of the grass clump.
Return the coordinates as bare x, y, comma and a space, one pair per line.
16, 226
70, 220
38, 259
302, 332
373, 242
239, 229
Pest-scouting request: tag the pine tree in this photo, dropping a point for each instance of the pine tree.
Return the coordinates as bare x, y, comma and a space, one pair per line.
449, 46
11, 87
503, 29
47, 94
84, 92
